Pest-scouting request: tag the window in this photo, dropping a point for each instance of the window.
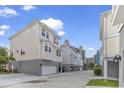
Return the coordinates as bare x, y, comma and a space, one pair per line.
54, 40
17, 51
23, 52
49, 49
47, 35
57, 52
57, 43
46, 48
43, 32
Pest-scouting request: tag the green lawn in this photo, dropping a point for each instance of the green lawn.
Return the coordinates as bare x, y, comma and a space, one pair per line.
102, 82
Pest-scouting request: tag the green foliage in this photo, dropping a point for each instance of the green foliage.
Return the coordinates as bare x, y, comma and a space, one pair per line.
102, 82
3, 60
85, 66
97, 70
5, 57
3, 52
90, 66
11, 58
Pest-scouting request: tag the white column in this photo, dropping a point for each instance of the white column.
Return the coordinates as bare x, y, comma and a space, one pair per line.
105, 69
120, 73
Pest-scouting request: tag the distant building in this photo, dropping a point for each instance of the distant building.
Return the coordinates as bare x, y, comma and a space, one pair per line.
97, 58
90, 60
101, 56
72, 57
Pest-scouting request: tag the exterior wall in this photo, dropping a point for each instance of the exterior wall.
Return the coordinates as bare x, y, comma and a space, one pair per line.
121, 64
110, 44
110, 37
69, 67
33, 66
71, 57
118, 19
50, 43
33, 43
113, 69
28, 42
66, 56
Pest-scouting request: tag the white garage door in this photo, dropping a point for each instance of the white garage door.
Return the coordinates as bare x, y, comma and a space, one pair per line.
48, 70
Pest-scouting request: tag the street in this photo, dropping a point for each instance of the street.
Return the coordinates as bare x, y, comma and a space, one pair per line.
76, 79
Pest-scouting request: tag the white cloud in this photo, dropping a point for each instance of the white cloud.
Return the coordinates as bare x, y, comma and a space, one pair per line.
90, 48
55, 24
4, 27
28, 7
2, 33
7, 12
61, 33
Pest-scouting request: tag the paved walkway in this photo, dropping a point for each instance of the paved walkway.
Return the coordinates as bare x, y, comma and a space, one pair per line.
60, 80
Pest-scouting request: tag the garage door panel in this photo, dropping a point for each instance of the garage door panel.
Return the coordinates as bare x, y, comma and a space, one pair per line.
48, 70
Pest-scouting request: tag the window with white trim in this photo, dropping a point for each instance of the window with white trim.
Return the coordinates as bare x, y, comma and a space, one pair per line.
46, 48
47, 35
43, 32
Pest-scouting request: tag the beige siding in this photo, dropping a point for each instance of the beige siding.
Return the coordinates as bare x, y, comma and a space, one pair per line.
28, 42
122, 56
110, 38
33, 43
112, 46
50, 43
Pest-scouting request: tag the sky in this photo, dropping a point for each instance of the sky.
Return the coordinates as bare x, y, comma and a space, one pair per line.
78, 24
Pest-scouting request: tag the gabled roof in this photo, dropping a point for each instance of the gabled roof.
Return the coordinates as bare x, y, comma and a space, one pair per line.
31, 24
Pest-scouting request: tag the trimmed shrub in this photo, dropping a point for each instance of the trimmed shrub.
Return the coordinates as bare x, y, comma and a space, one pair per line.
97, 70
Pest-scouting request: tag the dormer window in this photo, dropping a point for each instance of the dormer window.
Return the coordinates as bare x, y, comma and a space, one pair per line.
43, 32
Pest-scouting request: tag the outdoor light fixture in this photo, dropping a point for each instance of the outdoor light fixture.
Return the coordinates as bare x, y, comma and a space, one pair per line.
117, 58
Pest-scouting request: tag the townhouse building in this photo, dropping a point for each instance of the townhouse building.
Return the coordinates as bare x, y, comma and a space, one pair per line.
72, 57
36, 49
109, 36
118, 19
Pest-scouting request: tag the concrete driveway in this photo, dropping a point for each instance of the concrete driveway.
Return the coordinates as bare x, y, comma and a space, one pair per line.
60, 80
